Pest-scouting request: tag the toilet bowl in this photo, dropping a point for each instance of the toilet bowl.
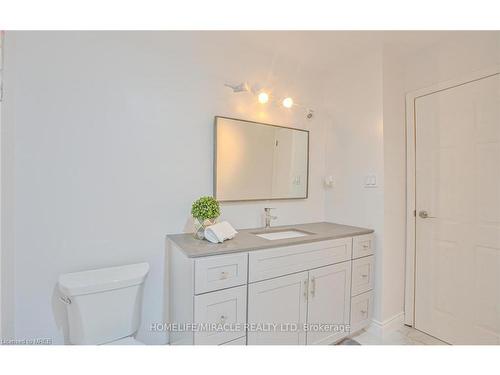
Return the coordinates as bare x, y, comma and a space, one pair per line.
104, 305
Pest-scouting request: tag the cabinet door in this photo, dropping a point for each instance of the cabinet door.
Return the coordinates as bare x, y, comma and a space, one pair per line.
223, 313
361, 311
329, 303
277, 310
362, 275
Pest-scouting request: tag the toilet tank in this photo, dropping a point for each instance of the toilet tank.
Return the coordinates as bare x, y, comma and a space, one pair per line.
103, 305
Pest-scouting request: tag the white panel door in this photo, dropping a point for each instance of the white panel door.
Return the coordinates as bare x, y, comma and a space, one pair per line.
277, 310
457, 280
329, 303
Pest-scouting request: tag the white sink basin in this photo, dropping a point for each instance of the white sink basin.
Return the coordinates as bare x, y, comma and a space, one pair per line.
282, 234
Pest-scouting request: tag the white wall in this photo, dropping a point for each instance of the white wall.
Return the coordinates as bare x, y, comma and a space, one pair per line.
393, 260
108, 140
355, 150
471, 52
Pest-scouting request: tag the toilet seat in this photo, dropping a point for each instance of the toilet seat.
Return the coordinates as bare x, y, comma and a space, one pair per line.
125, 341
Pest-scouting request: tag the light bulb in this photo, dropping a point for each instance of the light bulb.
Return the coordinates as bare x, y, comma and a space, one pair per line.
263, 97
288, 102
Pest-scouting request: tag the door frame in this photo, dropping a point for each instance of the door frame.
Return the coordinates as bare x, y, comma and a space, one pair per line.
410, 251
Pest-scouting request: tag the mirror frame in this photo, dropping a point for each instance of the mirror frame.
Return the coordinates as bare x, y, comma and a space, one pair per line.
258, 123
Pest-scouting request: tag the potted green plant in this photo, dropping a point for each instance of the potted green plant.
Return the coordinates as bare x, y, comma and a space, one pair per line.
205, 212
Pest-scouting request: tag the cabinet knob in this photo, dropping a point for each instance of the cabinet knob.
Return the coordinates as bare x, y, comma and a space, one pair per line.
222, 319
223, 275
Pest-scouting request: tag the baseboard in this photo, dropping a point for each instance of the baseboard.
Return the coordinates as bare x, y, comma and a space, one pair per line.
389, 325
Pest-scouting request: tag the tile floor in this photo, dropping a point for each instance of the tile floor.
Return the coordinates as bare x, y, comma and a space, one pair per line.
402, 336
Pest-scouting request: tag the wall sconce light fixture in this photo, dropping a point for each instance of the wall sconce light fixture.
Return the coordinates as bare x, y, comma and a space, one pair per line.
263, 97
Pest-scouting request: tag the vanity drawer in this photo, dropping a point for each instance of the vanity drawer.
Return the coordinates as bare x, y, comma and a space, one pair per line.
361, 311
279, 261
363, 246
362, 275
226, 310
220, 272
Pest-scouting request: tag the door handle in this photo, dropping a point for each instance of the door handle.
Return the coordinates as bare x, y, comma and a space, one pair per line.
425, 215
313, 286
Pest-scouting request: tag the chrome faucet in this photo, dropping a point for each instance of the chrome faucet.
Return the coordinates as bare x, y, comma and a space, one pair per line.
269, 217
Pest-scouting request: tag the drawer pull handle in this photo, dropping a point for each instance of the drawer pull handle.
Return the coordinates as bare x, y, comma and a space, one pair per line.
363, 276
224, 275
313, 286
366, 246
363, 312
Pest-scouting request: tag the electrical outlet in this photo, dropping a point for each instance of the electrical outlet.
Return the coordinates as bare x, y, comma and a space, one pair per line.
329, 181
370, 181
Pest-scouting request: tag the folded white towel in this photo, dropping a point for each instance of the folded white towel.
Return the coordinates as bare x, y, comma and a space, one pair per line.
220, 232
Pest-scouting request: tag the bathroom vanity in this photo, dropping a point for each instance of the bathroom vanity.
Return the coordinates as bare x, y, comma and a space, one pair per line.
300, 284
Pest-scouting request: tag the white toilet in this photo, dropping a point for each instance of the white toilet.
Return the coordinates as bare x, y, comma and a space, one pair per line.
104, 305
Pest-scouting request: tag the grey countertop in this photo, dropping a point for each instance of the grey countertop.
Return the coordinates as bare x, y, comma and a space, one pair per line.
246, 240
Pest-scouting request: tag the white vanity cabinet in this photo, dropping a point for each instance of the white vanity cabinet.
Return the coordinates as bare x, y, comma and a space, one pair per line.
298, 294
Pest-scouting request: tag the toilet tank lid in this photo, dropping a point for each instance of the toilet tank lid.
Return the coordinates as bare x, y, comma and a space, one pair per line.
103, 279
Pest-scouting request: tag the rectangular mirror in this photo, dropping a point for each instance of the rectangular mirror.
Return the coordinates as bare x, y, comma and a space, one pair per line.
255, 161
